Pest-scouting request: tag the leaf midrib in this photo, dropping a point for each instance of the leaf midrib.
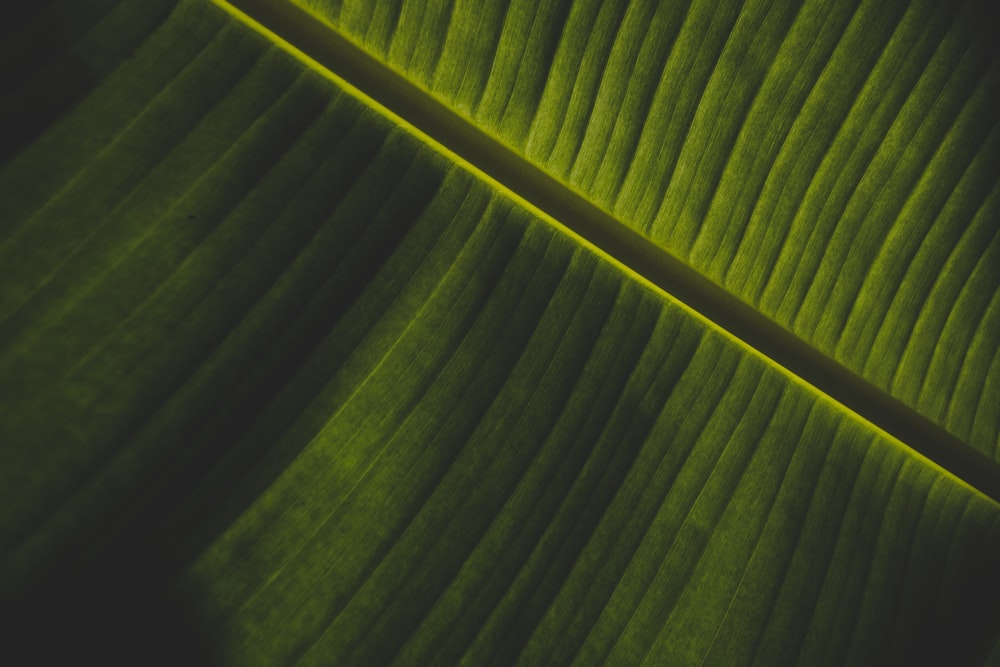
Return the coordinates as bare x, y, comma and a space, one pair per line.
323, 47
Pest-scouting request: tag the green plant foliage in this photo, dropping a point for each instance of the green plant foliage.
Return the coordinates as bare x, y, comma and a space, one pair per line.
831, 162
284, 383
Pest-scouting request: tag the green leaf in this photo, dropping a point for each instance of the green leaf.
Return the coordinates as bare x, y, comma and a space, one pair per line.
287, 381
831, 163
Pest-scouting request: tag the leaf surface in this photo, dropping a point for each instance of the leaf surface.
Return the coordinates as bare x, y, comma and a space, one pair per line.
286, 382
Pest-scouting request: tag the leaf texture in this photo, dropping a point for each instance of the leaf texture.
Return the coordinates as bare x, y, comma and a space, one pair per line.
834, 164
283, 383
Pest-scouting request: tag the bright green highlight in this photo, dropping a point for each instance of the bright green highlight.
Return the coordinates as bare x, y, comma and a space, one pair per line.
832, 164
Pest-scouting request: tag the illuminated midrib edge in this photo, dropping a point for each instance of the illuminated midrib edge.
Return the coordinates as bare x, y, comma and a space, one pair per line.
323, 48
